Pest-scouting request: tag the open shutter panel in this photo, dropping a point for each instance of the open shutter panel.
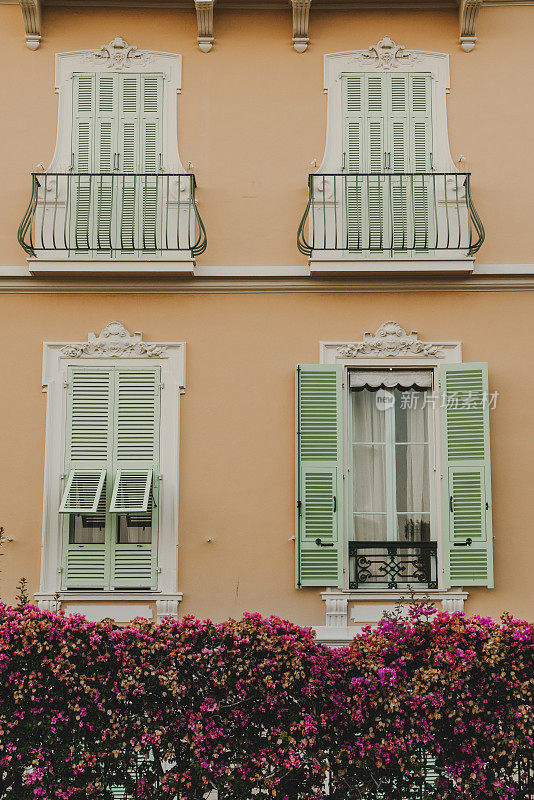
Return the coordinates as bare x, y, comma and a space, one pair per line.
89, 416
135, 491
319, 476
151, 157
83, 105
466, 475
83, 491
131, 492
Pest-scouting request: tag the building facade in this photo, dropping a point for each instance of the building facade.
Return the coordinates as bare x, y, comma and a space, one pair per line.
266, 280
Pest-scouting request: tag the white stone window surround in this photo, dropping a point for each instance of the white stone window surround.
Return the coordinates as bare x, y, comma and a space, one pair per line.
391, 347
116, 57
386, 56
113, 347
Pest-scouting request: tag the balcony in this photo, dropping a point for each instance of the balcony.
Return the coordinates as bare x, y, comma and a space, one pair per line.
109, 222
395, 565
390, 222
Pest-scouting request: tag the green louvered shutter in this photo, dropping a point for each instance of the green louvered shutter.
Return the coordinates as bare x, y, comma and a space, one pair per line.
421, 160
105, 149
319, 476
353, 100
81, 187
89, 435
466, 475
151, 155
375, 137
129, 138
136, 471
398, 162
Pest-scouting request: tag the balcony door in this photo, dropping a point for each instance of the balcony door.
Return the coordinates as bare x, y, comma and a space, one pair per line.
115, 208
387, 156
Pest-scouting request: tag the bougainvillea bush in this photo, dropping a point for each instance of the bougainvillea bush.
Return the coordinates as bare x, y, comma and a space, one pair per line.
425, 706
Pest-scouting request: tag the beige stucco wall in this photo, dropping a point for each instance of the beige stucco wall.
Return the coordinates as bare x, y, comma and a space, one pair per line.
252, 114
237, 437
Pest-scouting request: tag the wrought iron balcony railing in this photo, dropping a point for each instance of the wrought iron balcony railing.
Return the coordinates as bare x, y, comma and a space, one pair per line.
112, 214
393, 564
390, 214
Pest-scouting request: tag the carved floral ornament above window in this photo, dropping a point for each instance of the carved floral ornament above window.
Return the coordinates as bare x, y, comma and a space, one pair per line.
119, 55
390, 340
114, 341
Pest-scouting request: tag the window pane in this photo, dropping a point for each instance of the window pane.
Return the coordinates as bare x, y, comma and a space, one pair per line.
368, 421
369, 477
370, 527
87, 528
413, 527
413, 492
135, 528
411, 416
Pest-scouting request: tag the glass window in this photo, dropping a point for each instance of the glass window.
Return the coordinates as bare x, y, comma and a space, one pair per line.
390, 454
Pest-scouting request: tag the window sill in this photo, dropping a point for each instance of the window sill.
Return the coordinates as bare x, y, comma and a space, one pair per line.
181, 264
460, 265
122, 605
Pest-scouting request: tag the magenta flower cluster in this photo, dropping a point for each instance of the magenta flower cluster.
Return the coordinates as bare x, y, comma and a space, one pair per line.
429, 706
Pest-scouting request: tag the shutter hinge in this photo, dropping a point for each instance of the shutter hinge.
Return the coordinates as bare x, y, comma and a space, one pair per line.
65, 384
60, 569
299, 507
162, 385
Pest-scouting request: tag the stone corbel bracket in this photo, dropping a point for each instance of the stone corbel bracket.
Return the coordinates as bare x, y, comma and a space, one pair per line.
301, 19
469, 10
31, 16
204, 9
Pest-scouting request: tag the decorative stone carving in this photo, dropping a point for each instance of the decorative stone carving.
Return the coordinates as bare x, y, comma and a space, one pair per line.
114, 341
301, 19
385, 55
167, 608
453, 604
31, 16
119, 55
336, 609
204, 9
390, 340
468, 23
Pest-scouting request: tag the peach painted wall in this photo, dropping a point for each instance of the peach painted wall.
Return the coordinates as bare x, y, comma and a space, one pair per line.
237, 442
252, 114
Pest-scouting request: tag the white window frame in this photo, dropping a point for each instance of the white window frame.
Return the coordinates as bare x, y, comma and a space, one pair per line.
114, 346
117, 57
349, 610
391, 347
385, 56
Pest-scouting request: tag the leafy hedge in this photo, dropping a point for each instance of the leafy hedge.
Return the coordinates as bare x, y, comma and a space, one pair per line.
433, 705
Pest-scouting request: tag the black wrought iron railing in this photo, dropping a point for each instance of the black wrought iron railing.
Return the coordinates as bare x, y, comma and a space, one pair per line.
114, 214
390, 213
393, 564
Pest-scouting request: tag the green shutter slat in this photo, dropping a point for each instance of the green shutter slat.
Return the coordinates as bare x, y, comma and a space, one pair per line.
86, 566
137, 415
131, 492
319, 476
83, 491
467, 475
